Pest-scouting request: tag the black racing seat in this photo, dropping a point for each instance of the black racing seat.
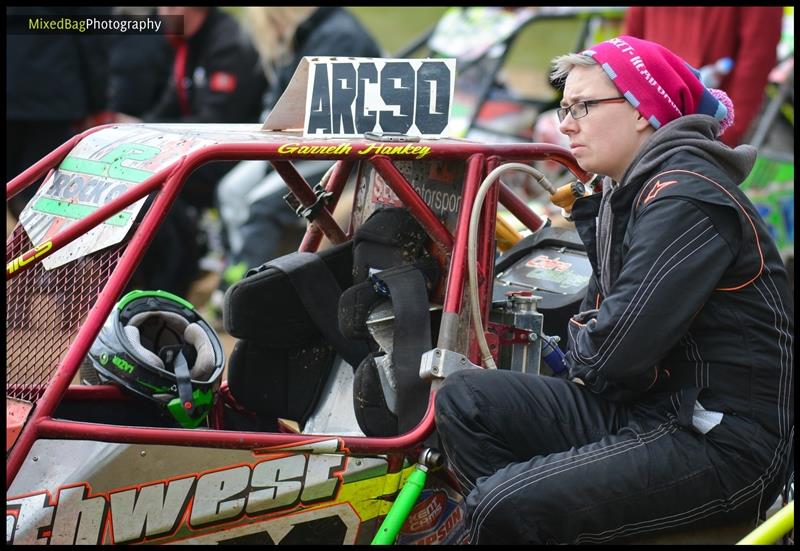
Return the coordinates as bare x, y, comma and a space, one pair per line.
294, 315
285, 316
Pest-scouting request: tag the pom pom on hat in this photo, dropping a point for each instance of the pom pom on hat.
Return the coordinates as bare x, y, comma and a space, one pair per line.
723, 98
658, 83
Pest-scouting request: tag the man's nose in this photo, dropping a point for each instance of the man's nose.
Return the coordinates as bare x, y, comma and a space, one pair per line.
567, 125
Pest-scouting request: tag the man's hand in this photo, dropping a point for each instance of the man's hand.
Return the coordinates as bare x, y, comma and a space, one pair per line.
615, 391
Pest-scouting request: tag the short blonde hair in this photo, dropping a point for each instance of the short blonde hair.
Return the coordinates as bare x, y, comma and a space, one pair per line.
563, 64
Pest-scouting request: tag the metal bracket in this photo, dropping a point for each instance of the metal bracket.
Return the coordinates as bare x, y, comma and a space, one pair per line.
311, 211
293, 202
508, 334
440, 362
431, 458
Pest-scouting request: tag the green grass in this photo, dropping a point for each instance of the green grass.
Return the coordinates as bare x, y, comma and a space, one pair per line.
395, 27
541, 41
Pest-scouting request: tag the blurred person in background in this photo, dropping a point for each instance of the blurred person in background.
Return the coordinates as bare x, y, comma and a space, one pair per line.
139, 69
704, 35
252, 209
54, 83
215, 77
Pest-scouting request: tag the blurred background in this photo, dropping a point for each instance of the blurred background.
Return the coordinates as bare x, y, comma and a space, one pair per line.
527, 63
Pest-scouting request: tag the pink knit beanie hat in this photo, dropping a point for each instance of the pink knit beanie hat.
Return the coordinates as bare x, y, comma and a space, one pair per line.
657, 83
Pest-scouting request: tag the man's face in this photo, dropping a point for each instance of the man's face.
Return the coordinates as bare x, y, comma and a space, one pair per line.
606, 139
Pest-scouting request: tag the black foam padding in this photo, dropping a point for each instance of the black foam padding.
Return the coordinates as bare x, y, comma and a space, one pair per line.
279, 382
264, 306
358, 301
320, 292
389, 237
372, 413
355, 305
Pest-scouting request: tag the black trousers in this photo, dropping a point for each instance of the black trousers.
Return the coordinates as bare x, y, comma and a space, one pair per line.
544, 460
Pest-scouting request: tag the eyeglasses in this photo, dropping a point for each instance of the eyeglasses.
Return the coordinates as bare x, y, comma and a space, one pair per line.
580, 109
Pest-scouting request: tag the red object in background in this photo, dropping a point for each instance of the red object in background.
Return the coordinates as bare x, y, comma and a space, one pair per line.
179, 73
222, 82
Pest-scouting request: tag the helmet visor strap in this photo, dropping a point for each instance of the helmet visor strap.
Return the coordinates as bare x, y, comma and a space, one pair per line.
184, 380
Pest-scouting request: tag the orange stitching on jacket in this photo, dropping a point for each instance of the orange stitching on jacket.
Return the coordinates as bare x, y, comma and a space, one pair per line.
658, 186
755, 232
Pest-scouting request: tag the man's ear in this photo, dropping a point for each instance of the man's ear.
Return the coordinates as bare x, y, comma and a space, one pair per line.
641, 123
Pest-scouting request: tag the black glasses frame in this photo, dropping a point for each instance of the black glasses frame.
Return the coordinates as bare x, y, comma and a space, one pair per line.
580, 109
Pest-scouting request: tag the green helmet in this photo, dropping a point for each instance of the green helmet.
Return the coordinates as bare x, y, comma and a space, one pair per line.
156, 345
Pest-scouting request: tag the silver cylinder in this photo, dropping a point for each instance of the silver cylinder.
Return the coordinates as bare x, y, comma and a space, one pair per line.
520, 312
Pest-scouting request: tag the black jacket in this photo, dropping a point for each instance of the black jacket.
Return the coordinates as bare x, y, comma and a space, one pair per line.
140, 66
224, 79
329, 31
55, 76
699, 306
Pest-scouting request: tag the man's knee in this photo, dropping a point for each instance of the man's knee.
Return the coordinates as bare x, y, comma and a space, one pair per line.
454, 396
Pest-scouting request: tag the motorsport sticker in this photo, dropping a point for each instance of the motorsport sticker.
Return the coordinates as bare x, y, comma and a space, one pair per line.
435, 519
544, 262
438, 183
100, 168
554, 269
